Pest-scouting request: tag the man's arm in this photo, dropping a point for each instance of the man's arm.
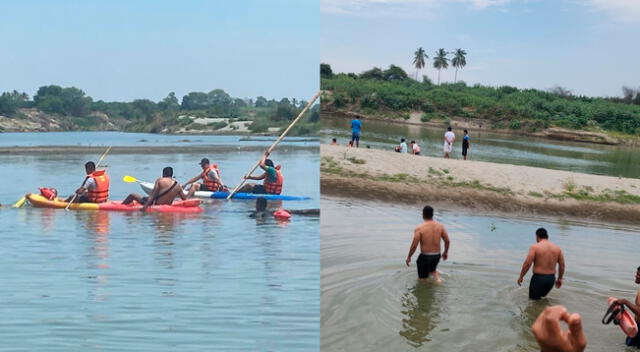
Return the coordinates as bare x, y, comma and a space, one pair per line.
196, 178
263, 164
635, 308
560, 270
414, 245
445, 238
152, 196
527, 264
181, 192
257, 178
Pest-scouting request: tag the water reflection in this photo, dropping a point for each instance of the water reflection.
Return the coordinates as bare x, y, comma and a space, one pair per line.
422, 307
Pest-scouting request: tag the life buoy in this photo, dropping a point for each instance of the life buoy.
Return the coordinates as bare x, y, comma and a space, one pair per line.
620, 316
281, 214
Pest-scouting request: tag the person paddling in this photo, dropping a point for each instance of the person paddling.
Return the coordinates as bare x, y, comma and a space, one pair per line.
95, 187
273, 179
428, 235
165, 190
211, 179
544, 256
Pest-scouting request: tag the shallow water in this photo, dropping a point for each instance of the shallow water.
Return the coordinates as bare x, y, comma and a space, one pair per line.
111, 281
588, 158
371, 301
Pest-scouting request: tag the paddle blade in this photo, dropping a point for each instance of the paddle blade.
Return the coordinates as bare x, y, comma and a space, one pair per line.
20, 202
129, 179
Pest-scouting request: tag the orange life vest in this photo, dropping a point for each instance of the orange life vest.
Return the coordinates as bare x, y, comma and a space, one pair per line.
212, 184
100, 193
274, 187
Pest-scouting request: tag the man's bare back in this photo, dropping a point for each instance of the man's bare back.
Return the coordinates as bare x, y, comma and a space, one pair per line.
161, 186
430, 235
546, 256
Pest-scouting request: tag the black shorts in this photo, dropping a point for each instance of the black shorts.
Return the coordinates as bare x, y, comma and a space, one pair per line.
355, 137
464, 150
540, 285
427, 263
204, 188
633, 341
144, 200
259, 189
82, 199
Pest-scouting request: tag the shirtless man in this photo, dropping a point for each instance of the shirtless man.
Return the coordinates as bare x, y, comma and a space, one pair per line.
165, 190
544, 256
428, 235
635, 308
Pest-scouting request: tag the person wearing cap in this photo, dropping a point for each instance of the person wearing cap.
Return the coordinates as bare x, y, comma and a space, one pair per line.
165, 190
211, 179
272, 177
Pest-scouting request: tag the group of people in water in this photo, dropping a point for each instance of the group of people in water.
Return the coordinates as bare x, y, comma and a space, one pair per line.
95, 187
544, 256
413, 148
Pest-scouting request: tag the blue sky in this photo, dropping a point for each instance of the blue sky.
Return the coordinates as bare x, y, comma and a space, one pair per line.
588, 46
124, 50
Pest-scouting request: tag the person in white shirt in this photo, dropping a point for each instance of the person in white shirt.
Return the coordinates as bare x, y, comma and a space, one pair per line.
415, 148
449, 139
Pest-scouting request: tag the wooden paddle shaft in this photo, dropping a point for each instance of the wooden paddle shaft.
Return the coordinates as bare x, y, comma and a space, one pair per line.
276, 143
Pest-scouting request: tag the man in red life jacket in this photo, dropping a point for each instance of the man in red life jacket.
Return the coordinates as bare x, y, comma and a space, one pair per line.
95, 188
211, 179
273, 179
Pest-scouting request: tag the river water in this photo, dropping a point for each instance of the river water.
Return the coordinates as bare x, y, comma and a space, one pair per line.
370, 300
110, 281
620, 161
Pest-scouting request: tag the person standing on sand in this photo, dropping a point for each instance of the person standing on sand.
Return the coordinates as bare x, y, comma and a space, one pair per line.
428, 235
415, 148
356, 127
465, 144
449, 138
635, 308
544, 256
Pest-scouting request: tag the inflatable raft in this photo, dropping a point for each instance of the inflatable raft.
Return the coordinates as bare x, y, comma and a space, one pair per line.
186, 206
148, 187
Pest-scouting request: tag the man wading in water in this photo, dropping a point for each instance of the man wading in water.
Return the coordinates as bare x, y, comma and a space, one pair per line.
544, 256
428, 235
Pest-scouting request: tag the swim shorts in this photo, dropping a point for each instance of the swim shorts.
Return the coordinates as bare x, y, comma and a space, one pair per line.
427, 263
540, 285
259, 189
464, 150
355, 136
633, 341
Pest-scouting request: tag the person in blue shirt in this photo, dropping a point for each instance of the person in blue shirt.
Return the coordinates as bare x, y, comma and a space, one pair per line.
465, 144
356, 126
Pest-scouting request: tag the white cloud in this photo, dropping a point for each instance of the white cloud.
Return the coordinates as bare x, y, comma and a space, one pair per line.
621, 10
396, 8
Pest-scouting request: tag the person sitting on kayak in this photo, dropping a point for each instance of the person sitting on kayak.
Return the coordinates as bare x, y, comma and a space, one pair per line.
165, 190
544, 256
272, 177
635, 308
211, 179
95, 188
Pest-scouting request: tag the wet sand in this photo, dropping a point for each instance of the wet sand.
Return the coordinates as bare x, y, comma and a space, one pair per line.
404, 178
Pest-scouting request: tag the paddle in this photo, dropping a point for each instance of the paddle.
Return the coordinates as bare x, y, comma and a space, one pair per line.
20, 202
284, 133
75, 195
130, 179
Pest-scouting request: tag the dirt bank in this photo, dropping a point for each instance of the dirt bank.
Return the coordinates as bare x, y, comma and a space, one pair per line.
393, 177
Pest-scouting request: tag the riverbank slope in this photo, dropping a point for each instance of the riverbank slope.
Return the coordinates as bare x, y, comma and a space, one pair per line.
404, 178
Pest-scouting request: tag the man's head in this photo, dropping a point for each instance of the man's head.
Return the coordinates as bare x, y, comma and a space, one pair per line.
204, 163
89, 167
167, 172
268, 162
401, 140
449, 128
261, 204
413, 142
541, 234
427, 213
638, 276
466, 132
334, 140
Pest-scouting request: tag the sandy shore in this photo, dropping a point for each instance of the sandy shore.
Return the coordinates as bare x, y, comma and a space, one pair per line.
48, 150
389, 176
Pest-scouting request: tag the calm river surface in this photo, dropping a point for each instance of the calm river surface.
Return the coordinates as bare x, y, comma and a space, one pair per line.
110, 281
622, 161
370, 300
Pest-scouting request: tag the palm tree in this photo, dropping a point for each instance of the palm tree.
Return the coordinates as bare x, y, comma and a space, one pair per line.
418, 60
459, 61
440, 61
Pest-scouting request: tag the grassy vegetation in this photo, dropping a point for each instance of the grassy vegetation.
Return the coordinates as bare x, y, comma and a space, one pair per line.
505, 106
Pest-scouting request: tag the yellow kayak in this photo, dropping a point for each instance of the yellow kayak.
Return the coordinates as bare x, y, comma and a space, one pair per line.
39, 201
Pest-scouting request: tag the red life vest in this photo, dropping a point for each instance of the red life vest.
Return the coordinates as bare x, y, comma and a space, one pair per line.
100, 193
274, 187
210, 183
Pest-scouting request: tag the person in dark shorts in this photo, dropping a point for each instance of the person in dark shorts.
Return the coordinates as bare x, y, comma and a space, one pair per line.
211, 179
465, 144
635, 308
272, 179
356, 127
429, 235
544, 256
165, 190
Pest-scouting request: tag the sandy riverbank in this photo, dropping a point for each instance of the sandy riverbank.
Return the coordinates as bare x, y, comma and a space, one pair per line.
393, 177
49, 150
